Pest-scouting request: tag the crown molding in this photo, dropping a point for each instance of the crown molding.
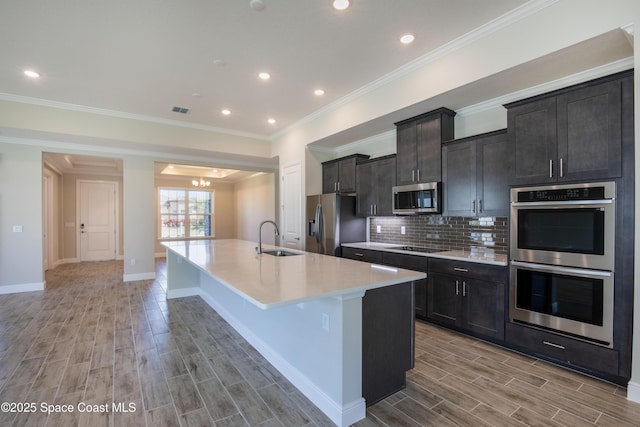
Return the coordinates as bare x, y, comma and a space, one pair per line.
584, 76
124, 115
497, 24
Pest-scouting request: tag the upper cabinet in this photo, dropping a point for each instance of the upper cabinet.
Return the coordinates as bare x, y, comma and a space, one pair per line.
418, 146
569, 135
339, 175
374, 179
475, 175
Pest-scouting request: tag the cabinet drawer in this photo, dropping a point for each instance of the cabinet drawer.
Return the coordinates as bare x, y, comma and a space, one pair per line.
410, 262
491, 273
562, 349
365, 255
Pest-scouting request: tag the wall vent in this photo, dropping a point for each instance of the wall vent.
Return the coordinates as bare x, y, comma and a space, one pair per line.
181, 110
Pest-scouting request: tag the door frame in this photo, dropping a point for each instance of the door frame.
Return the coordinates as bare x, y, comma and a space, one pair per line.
47, 221
116, 215
297, 168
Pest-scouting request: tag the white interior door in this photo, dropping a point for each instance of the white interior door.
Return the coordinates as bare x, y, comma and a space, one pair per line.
46, 221
97, 220
291, 207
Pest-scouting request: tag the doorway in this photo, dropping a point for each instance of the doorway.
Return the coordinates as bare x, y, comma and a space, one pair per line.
97, 219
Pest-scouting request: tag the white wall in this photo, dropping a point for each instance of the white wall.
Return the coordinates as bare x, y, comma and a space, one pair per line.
256, 202
21, 266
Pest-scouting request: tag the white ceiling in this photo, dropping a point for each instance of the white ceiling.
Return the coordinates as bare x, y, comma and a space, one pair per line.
143, 57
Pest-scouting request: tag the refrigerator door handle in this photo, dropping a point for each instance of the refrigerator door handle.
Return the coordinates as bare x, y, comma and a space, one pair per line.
319, 225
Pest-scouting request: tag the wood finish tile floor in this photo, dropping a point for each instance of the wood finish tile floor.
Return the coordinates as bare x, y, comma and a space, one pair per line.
91, 339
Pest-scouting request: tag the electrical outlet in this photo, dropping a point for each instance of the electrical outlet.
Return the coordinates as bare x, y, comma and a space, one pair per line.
325, 321
403, 230
133, 261
378, 229
17, 229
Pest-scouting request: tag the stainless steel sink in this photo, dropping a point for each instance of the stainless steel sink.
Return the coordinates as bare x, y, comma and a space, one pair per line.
279, 252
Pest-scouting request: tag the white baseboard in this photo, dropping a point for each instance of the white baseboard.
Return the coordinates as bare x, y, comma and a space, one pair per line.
342, 415
23, 287
139, 276
633, 391
185, 292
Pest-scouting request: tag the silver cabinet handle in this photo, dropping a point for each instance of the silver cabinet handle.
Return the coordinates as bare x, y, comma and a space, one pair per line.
335, 186
464, 270
550, 344
371, 209
473, 206
464, 288
480, 205
358, 254
550, 168
561, 171
418, 175
375, 209
413, 175
457, 287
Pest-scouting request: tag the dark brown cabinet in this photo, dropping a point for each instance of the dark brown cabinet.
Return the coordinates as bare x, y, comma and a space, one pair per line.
562, 349
365, 255
388, 343
568, 135
416, 263
393, 259
475, 176
374, 179
467, 296
418, 146
339, 175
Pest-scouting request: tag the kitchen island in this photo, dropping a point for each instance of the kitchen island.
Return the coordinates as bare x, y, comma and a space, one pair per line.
326, 323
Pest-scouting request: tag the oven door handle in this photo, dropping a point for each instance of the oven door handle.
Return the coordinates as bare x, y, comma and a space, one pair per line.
564, 203
556, 269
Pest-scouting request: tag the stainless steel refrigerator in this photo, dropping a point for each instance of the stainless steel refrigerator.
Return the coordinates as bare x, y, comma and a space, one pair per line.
332, 221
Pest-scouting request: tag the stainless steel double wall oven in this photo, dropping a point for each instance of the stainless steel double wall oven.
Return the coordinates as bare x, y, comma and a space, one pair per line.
562, 244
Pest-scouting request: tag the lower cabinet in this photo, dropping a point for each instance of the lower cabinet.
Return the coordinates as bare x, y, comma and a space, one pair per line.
564, 350
365, 255
409, 262
416, 263
467, 296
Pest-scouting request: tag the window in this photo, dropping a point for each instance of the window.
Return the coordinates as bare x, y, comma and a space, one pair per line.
185, 213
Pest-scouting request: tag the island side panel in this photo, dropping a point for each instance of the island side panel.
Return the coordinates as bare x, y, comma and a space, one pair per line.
317, 345
388, 341
183, 278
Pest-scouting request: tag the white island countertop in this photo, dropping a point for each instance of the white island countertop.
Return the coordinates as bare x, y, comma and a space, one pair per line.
269, 281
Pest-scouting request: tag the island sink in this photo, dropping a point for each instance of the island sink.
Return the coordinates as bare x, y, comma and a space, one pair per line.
279, 252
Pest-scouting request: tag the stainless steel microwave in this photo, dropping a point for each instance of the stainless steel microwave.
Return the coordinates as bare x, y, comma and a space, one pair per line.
417, 198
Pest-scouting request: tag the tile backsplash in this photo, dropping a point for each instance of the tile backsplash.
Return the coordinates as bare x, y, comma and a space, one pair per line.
442, 232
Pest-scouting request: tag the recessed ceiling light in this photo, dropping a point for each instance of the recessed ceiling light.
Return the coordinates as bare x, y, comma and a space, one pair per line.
271, 121
32, 74
264, 75
219, 62
340, 4
257, 5
319, 92
407, 38
226, 112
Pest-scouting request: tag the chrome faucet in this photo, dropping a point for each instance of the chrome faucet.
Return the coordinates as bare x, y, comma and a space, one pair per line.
277, 233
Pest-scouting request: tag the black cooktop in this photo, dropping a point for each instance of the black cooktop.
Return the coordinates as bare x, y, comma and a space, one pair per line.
415, 249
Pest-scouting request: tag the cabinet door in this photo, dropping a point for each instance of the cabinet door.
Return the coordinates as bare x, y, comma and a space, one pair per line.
532, 141
406, 139
364, 189
589, 132
483, 307
330, 174
443, 299
429, 140
493, 171
459, 179
385, 178
347, 175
